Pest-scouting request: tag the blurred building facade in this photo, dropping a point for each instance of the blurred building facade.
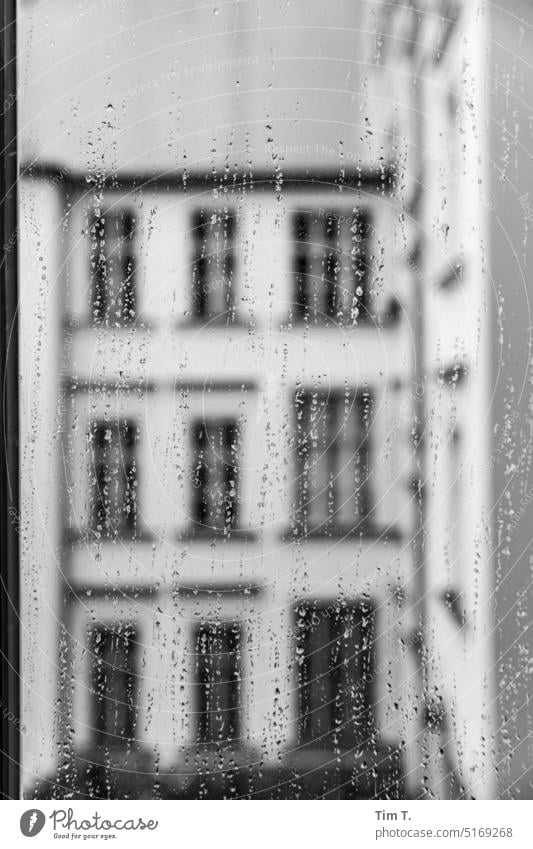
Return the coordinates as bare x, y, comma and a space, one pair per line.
255, 490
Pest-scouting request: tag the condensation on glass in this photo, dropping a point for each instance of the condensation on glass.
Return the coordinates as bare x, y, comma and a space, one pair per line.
255, 386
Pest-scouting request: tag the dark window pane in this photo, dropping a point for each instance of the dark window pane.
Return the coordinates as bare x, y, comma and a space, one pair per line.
113, 685
334, 669
213, 295
331, 266
114, 474
218, 683
215, 475
333, 489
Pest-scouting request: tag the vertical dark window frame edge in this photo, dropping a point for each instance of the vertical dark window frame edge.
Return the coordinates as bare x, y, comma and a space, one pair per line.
9, 424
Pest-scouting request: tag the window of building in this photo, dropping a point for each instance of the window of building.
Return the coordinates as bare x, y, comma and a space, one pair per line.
331, 266
214, 246
113, 266
333, 487
218, 682
215, 475
114, 478
334, 671
113, 692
